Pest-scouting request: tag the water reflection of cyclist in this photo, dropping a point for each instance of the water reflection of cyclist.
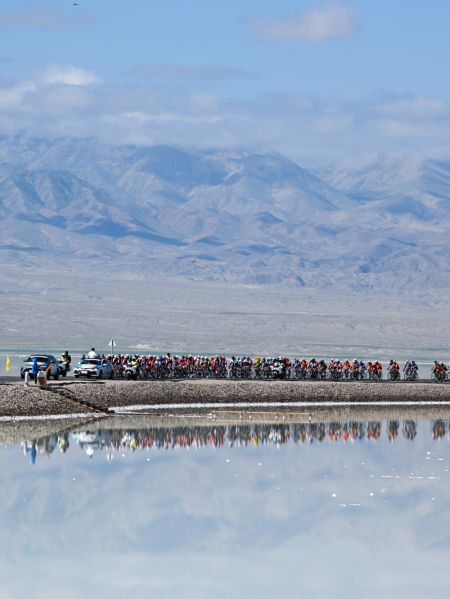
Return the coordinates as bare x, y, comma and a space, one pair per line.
63, 442
334, 431
217, 436
438, 429
357, 431
393, 426
374, 430
409, 429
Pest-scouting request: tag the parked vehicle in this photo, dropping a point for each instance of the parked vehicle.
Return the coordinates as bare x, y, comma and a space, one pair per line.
45, 363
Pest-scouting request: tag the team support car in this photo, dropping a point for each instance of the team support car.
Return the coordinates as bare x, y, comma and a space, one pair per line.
45, 362
94, 367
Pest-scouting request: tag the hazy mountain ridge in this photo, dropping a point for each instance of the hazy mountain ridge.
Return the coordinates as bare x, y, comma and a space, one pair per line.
229, 216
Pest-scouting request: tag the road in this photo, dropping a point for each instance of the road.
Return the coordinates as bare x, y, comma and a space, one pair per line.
70, 378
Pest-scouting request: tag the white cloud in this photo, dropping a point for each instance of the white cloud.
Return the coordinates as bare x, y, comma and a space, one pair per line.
67, 100
315, 25
28, 95
162, 118
68, 75
12, 97
418, 107
406, 129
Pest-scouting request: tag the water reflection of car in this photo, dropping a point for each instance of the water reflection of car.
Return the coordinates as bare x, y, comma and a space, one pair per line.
45, 362
93, 368
87, 438
89, 442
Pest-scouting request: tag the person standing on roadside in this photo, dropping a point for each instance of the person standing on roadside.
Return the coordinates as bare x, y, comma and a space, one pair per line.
92, 354
35, 370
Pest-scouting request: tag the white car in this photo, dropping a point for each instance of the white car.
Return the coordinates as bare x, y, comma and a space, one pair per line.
94, 368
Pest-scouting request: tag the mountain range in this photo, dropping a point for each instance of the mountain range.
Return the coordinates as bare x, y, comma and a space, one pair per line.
230, 216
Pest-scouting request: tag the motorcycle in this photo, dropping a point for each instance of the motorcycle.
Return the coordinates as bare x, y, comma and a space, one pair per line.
132, 372
278, 370
64, 368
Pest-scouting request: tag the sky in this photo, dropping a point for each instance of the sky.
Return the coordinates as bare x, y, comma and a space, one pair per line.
320, 80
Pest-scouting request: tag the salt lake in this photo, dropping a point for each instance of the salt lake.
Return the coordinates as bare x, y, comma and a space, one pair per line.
354, 509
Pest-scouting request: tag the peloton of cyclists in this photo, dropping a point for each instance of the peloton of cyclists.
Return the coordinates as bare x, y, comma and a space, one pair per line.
218, 366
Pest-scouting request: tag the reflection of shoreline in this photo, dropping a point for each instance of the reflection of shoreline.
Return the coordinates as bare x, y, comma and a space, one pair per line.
14, 431
111, 441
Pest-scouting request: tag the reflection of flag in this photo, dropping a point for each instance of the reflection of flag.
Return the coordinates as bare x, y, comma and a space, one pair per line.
8, 364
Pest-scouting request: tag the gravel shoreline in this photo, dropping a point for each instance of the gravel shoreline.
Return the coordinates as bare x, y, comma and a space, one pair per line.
18, 401
122, 394
81, 398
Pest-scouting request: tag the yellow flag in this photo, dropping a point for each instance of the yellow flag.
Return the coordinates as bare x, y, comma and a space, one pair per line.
8, 364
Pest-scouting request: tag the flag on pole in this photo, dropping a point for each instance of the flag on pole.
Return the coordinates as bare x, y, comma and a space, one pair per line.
8, 364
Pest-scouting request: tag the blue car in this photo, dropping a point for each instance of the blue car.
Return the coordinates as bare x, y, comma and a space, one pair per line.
45, 362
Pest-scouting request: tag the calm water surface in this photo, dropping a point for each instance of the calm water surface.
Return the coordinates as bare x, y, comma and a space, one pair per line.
338, 509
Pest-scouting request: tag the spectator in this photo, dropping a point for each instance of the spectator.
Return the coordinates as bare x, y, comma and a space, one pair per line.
35, 370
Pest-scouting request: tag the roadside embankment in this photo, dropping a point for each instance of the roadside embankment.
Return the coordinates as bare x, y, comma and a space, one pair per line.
18, 401
85, 398
125, 394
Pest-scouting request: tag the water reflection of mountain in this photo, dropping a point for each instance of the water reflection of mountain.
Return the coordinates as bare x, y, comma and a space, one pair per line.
198, 437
